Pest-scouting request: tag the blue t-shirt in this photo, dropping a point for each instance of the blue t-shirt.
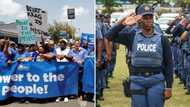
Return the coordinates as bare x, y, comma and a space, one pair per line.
33, 55
12, 53
23, 55
126, 38
3, 58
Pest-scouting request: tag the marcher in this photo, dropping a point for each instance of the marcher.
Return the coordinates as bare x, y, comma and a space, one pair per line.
61, 55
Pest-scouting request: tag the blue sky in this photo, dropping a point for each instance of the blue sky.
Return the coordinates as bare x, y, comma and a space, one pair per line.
84, 22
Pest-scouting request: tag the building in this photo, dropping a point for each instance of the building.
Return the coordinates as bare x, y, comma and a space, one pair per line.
9, 30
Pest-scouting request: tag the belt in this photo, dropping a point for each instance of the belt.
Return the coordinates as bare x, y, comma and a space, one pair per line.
140, 69
144, 74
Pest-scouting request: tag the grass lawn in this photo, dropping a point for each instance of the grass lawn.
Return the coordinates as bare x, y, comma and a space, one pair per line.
114, 97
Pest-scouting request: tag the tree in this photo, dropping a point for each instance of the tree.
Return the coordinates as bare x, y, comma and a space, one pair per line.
57, 27
145, 1
109, 6
186, 3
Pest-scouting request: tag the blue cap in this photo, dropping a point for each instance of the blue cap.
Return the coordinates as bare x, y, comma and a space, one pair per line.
144, 10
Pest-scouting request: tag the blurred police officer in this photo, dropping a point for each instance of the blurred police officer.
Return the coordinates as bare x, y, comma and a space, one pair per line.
151, 59
185, 39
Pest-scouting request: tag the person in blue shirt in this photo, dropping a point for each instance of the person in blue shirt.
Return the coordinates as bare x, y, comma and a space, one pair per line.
78, 53
12, 50
135, 28
85, 45
51, 46
177, 49
44, 54
5, 55
185, 39
22, 55
3, 58
32, 49
99, 40
151, 73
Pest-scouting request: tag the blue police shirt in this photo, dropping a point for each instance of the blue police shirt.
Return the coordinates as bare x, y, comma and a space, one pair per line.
178, 30
99, 34
127, 38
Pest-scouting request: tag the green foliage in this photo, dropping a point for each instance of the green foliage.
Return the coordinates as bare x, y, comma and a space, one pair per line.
109, 6
57, 27
186, 1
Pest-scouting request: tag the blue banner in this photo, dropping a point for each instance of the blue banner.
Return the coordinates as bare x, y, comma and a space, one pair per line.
89, 38
39, 80
88, 75
91, 41
84, 37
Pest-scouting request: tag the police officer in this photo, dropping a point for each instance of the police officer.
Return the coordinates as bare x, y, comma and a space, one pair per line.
172, 29
185, 38
151, 59
135, 27
100, 72
178, 47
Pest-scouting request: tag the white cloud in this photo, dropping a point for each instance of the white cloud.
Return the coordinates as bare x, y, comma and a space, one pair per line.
12, 8
21, 15
80, 11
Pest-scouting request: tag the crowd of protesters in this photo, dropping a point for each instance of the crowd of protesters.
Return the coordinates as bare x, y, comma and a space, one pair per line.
63, 51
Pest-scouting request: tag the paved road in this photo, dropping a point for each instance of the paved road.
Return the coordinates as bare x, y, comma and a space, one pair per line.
71, 103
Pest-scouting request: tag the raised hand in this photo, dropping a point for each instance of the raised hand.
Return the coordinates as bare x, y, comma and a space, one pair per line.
184, 22
130, 20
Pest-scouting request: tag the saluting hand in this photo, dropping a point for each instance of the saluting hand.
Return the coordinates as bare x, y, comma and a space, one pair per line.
130, 20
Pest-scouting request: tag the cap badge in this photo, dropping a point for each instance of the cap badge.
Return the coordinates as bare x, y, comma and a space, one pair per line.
146, 8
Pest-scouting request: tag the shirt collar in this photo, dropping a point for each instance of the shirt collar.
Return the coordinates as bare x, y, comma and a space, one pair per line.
155, 32
80, 49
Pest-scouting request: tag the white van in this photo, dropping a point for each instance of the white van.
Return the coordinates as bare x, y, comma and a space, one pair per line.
169, 15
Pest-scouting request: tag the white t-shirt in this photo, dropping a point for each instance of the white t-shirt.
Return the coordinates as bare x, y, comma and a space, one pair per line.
62, 52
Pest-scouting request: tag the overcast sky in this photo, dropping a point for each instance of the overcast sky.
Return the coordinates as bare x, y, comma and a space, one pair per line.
10, 10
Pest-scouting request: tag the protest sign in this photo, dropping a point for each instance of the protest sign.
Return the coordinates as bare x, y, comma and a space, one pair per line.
71, 13
38, 21
25, 35
91, 41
